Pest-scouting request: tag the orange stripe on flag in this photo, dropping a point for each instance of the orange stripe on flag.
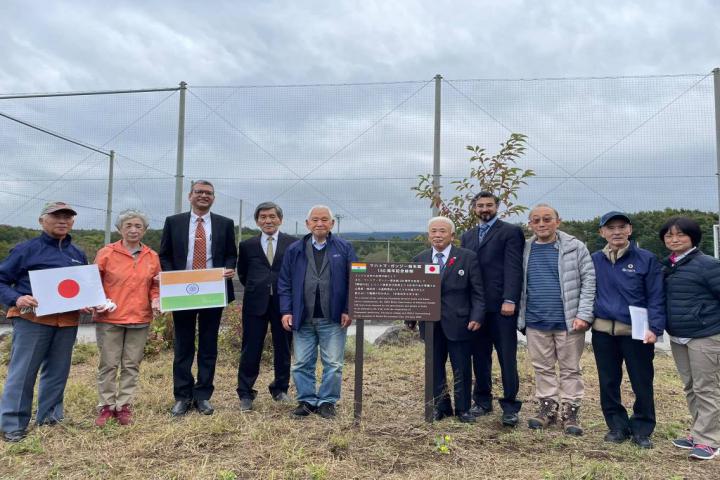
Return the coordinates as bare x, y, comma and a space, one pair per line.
191, 276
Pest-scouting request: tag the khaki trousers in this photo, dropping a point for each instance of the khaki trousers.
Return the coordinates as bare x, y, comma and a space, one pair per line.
698, 363
548, 348
120, 348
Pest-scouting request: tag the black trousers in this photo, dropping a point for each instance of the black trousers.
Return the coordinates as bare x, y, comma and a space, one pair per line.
500, 332
207, 323
610, 352
459, 353
253, 340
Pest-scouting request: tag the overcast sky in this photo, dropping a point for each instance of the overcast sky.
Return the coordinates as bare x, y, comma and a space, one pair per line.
368, 141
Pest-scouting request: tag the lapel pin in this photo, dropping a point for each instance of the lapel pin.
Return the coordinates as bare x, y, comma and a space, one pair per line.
461, 272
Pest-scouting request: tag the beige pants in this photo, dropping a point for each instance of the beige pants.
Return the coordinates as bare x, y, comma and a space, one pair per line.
548, 348
698, 363
121, 348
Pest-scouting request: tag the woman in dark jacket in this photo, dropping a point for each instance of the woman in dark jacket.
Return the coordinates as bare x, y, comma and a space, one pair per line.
692, 286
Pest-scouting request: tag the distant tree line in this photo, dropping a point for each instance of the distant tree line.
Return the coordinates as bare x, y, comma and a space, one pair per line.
645, 232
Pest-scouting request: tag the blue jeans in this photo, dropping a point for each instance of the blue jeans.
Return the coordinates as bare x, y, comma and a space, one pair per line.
34, 347
330, 337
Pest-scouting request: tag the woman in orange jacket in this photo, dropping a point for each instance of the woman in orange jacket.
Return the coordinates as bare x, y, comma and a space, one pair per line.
128, 269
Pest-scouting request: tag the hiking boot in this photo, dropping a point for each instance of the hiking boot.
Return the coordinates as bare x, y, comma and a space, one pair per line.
547, 415
570, 420
124, 415
106, 413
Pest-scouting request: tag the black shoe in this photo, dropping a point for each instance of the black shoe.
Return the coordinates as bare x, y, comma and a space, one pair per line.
282, 397
510, 419
479, 410
180, 408
616, 436
642, 441
326, 410
204, 407
465, 417
246, 404
302, 410
15, 436
440, 414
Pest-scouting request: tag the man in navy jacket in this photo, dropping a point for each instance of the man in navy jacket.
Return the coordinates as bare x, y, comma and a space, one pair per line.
626, 276
313, 293
499, 248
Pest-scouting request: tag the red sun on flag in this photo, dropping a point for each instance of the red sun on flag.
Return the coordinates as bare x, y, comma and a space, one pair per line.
431, 268
68, 288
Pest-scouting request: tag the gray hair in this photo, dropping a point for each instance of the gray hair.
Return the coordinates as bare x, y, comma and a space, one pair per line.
268, 206
126, 215
201, 182
544, 205
444, 220
319, 207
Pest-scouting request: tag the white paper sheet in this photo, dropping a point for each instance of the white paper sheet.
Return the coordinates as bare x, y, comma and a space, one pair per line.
640, 324
66, 289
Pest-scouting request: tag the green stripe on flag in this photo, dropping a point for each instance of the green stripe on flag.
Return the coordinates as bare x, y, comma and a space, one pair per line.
193, 301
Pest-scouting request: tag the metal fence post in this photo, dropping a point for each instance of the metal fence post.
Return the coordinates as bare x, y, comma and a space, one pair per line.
108, 211
180, 149
240, 218
716, 84
436, 146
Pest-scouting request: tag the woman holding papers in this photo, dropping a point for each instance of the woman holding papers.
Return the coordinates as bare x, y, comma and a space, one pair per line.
44, 341
128, 269
692, 284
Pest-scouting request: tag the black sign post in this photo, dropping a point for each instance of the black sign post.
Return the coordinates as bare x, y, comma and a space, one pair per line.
394, 291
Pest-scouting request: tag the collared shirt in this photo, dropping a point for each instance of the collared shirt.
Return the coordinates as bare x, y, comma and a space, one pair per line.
264, 241
317, 245
446, 254
207, 224
487, 228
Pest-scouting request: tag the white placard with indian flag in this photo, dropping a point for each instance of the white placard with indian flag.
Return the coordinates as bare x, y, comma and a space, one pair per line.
66, 289
192, 289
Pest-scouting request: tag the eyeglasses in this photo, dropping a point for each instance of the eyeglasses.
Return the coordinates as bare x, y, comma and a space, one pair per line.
536, 221
203, 192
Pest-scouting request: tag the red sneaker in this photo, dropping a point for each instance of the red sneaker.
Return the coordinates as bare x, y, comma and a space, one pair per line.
124, 415
106, 413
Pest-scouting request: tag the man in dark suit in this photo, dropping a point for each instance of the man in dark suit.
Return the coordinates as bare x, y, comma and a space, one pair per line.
461, 315
259, 262
499, 247
196, 240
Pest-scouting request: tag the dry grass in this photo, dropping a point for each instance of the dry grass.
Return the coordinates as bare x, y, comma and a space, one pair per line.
392, 442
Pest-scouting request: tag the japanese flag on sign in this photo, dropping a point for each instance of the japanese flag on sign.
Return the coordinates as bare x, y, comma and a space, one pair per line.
432, 268
66, 289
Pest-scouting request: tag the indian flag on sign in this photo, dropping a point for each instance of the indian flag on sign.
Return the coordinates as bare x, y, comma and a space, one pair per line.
190, 289
358, 267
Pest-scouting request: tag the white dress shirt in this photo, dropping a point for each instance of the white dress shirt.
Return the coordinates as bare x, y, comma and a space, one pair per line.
264, 242
446, 254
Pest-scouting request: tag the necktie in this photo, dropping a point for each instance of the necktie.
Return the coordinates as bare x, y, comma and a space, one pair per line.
270, 254
200, 248
482, 230
441, 263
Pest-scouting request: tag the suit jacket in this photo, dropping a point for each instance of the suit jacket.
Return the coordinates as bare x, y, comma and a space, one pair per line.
174, 244
461, 293
500, 259
257, 275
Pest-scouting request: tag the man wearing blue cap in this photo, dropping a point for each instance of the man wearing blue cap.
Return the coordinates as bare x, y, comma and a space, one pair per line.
627, 276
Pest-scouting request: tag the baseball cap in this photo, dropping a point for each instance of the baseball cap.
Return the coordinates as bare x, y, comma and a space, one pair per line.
52, 207
612, 216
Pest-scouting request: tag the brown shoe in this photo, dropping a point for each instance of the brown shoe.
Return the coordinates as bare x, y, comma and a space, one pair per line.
124, 415
106, 413
570, 419
547, 414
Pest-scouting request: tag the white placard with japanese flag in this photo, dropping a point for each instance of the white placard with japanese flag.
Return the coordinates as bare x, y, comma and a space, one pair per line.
66, 289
